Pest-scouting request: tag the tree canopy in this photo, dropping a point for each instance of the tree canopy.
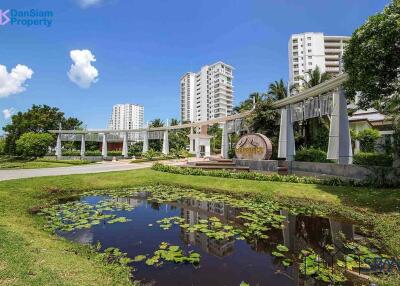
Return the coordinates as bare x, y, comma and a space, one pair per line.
372, 59
37, 119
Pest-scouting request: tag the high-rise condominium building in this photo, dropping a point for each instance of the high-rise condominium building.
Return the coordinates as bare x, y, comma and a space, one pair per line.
309, 50
127, 117
208, 93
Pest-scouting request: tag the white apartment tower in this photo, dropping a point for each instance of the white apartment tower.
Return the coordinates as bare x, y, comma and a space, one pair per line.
127, 117
309, 50
208, 93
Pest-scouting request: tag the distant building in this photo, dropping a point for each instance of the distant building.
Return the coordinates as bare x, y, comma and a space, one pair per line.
309, 50
207, 94
127, 117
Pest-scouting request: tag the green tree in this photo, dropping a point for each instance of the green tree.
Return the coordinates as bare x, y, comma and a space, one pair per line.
156, 123
314, 78
248, 103
32, 144
372, 58
277, 90
2, 146
156, 145
367, 138
38, 119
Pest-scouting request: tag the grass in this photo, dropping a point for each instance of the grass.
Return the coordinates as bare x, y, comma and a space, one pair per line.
31, 256
17, 163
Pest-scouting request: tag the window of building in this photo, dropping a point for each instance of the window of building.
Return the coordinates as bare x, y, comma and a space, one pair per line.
309, 44
309, 51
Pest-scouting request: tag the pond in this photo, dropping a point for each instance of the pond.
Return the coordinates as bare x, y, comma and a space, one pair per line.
173, 236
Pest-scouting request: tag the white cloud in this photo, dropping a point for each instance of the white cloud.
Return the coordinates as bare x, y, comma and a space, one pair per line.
13, 82
82, 72
8, 112
88, 3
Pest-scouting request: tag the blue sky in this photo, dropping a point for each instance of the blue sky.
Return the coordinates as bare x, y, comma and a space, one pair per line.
142, 48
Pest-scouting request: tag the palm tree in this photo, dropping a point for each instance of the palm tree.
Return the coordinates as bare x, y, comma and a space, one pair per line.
247, 104
157, 123
315, 77
174, 121
277, 90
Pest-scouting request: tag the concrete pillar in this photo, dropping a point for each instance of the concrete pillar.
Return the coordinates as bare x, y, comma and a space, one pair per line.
83, 146
339, 147
207, 148
286, 145
165, 148
191, 141
224, 141
356, 146
58, 146
104, 147
197, 147
145, 141
125, 145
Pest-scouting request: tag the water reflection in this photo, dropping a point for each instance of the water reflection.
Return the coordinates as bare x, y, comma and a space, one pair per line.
223, 262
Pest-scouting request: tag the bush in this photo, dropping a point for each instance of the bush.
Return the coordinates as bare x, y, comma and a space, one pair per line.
311, 155
33, 144
2, 146
372, 159
151, 154
71, 153
114, 153
367, 138
93, 153
257, 176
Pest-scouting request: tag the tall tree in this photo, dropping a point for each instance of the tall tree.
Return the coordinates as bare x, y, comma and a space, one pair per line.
247, 104
156, 123
37, 119
314, 77
372, 58
372, 61
277, 90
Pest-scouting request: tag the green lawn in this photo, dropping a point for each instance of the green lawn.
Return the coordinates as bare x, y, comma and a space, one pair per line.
11, 163
32, 256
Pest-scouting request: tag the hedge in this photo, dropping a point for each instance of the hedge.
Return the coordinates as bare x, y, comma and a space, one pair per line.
372, 159
311, 155
257, 176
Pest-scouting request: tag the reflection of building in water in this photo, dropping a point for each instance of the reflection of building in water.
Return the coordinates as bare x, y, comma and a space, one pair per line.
131, 201
301, 232
193, 211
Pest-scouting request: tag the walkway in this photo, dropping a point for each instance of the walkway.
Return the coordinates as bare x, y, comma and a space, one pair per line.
81, 169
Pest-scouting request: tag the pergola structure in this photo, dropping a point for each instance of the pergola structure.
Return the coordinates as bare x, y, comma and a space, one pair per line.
326, 99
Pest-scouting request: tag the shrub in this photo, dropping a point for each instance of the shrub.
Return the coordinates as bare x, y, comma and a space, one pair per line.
311, 155
372, 159
33, 144
2, 146
71, 153
151, 154
257, 176
93, 153
367, 138
114, 153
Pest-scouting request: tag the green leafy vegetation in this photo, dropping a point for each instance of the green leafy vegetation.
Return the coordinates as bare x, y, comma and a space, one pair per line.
311, 155
367, 138
33, 145
7, 162
257, 176
372, 159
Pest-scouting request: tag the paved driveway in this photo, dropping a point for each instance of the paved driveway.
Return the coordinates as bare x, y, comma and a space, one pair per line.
81, 169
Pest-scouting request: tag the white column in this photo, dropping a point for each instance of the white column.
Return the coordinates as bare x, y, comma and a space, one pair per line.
83, 146
207, 147
191, 141
197, 147
224, 141
104, 147
58, 146
145, 141
125, 145
356, 146
339, 147
286, 145
165, 148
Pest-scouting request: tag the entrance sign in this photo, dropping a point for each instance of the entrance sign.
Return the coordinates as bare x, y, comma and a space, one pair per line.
254, 147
